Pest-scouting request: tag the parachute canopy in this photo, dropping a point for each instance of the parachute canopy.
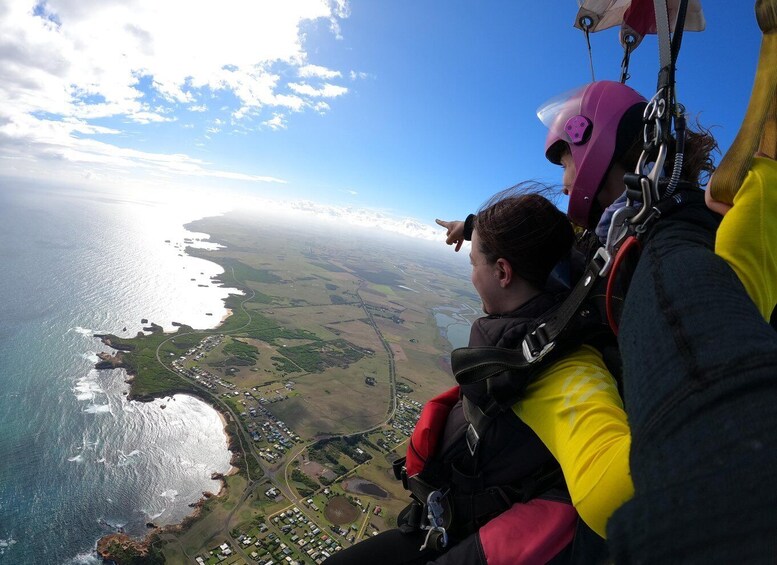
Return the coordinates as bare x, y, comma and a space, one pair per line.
637, 18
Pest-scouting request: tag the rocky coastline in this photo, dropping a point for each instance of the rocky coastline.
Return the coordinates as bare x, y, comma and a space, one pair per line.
108, 361
118, 547
121, 549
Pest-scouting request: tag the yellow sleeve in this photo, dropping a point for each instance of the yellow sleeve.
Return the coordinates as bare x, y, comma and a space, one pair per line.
747, 236
575, 409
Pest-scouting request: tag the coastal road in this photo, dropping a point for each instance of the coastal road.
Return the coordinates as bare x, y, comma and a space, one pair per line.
389, 352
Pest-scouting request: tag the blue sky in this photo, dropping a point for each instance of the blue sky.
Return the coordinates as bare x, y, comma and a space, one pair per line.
407, 108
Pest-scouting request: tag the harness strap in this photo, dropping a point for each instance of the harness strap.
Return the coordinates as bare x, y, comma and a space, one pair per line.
468, 504
629, 245
479, 420
410, 519
679, 27
479, 503
664, 41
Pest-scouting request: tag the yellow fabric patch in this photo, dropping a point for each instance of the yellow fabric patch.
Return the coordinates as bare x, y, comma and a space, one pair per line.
747, 236
575, 409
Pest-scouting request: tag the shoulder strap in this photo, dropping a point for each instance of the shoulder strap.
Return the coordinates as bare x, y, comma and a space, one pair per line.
479, 421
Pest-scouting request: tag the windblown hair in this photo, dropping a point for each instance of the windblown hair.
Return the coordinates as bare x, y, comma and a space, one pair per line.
523, 226
700, 146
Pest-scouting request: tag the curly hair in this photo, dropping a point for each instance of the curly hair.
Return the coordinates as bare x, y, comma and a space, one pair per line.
700, 146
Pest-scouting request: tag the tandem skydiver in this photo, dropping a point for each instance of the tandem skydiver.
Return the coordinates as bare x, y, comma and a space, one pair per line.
493, 492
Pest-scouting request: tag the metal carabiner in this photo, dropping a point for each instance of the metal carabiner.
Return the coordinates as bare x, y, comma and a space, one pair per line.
436, 534
619, 228
436, 538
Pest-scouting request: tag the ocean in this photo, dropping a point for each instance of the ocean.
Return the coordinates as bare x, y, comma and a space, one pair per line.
77, 460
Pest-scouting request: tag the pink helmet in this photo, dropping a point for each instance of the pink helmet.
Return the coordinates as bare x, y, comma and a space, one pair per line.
587, 120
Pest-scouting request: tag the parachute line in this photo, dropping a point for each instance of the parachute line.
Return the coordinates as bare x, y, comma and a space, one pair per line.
627, 48
586, 22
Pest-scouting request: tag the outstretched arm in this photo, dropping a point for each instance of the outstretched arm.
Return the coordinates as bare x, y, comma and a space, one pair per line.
458, 231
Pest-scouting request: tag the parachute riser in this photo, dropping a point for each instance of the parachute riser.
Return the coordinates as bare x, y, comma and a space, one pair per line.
661, 115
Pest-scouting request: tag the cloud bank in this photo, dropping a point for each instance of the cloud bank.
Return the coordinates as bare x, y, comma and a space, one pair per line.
375, 220
80, 80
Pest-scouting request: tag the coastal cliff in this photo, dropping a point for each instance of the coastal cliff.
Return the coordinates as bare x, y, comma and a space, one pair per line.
123, 550
108, 361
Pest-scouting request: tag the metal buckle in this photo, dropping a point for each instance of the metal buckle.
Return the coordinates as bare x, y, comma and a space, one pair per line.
606, 258
473, 438
619, 228
656, 111
527, 352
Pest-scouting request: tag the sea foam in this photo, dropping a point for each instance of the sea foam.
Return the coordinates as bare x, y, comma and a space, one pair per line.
88, 386
98, 409
91, 356
5, 544
128, 458
85, 558
169, 494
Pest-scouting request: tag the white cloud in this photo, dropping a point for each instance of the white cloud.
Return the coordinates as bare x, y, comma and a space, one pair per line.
326, 91
277, 122
321, 107
358, 75
64, 64
215, 127
375, 220
318, 72
49, 147
149, 117
362, 217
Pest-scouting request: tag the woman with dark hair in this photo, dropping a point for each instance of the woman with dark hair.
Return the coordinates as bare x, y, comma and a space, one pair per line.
506, 447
